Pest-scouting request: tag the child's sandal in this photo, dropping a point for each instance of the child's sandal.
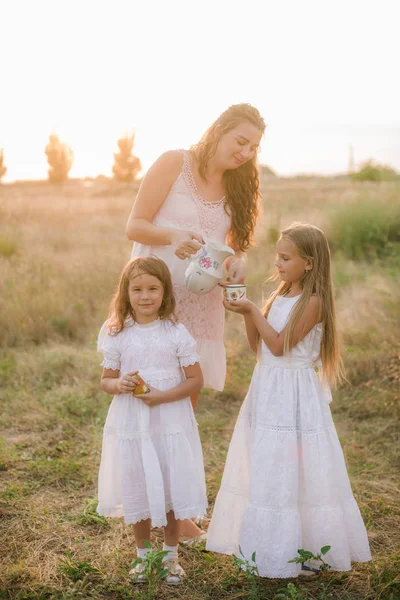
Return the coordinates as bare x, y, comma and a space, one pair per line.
175, 572
137, 574
308, 573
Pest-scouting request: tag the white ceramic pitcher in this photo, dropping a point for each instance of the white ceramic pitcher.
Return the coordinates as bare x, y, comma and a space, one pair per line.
206, 267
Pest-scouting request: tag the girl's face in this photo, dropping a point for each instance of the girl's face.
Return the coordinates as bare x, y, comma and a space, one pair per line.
238, 145
145, 296
290, 264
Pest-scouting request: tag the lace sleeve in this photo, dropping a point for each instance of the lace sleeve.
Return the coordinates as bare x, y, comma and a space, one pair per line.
108, 346
186, 347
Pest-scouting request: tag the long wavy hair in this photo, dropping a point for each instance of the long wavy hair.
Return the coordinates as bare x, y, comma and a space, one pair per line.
241, 184
120, 307
311, 244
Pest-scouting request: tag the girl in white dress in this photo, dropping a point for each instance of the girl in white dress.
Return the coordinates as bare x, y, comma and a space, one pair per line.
151, 470
285, 484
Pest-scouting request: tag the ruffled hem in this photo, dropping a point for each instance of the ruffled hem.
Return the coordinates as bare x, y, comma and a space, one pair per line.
131, 518
276, 533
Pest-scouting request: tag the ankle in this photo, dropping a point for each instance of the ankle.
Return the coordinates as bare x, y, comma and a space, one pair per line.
172, 552
142, 552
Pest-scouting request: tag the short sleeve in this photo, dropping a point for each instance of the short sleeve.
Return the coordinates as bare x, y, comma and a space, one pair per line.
186, 347
108, 346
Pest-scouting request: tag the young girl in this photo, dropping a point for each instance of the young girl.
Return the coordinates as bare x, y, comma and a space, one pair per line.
285, 484
151, 468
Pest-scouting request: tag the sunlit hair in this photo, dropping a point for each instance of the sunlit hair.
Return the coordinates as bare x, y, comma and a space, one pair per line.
311, 244
241, 184
120, 307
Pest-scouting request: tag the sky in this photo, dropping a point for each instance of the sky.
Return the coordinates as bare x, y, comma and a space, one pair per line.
323, 74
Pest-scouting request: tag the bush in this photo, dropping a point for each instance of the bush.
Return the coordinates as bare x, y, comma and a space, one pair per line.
366, 229
371, 171
126, 165
60, 158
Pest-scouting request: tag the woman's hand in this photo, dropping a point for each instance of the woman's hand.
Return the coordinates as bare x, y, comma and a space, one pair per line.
236, 270
242, 307
152, 398
186, 242
127, 383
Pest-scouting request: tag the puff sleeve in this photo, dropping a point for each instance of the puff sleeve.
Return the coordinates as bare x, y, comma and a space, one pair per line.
186, 348
109, 346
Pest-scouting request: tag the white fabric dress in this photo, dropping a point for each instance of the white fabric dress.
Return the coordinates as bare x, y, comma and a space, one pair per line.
151, 460
185, 209
285, 484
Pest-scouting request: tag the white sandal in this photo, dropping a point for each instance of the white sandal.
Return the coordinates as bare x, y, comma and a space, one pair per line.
137, 573
175, 572
195, 541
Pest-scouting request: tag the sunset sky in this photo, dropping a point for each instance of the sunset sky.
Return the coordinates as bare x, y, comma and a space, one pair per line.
323, 74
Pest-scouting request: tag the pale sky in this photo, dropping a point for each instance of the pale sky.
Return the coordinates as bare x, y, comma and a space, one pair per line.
324, 74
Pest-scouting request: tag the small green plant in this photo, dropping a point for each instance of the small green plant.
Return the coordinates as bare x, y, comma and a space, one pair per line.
250, 570
76, 570
290, 592
89, 515
154, 569
306, 555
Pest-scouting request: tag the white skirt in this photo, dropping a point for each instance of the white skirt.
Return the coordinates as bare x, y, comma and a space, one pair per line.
152, 460
285, 484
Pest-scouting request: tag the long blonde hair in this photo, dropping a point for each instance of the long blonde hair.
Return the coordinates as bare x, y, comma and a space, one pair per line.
120, 307
241, 184
312, 245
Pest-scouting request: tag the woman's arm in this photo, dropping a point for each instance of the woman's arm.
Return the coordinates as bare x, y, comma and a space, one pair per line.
152, 193
191, 385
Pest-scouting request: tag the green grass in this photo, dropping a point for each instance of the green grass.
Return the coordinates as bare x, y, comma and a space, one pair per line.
56, 546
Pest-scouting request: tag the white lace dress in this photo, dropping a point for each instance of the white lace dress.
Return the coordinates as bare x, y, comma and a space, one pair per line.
151, 460
285, 484
184, 208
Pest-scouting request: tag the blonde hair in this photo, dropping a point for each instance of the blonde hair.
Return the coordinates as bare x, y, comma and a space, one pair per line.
120, 307
312, 245
241, 184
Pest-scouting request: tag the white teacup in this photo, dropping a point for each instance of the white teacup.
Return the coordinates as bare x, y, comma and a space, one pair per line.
235, 291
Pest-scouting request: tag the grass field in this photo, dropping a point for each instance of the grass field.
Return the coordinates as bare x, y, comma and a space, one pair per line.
61, 252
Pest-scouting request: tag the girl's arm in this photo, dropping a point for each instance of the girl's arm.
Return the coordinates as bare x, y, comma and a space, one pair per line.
152, 193
113, 384
273, 339
191, 385
251, 332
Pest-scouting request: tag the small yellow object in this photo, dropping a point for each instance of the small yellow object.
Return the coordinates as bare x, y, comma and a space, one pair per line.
142, 387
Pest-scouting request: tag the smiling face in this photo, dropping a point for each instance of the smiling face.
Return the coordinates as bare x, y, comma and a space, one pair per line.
145, 296
238, 145
291, 266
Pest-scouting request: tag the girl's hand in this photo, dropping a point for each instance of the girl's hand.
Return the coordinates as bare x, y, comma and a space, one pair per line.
152, 398
242, 307
186, 242
127, 383
236, 271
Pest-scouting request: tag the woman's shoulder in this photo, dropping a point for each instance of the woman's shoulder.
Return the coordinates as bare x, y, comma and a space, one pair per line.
171, 159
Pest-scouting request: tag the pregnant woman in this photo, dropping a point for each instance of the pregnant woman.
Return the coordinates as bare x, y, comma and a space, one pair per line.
210, 191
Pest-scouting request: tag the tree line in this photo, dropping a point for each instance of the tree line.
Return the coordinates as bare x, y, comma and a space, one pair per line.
60, 158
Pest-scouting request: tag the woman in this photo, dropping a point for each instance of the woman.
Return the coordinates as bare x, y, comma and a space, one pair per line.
210, 191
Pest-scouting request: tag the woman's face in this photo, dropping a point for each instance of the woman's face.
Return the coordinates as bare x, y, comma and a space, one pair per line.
238, 145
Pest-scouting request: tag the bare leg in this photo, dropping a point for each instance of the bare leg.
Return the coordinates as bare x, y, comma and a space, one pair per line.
171, 530
194, 399
142, 532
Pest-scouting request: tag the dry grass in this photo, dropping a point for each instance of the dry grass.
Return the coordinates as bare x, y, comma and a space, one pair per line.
67, 249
